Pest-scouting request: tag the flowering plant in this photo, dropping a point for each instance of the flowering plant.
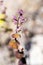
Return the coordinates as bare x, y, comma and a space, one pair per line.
20, 19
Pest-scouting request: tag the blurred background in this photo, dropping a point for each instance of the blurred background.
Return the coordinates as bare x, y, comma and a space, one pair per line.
31, 31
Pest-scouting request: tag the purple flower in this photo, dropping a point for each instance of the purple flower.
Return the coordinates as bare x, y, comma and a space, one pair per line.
22, 19
20, 12
15, 19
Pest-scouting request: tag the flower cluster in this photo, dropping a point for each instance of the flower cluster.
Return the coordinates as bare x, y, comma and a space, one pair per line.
20, 19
